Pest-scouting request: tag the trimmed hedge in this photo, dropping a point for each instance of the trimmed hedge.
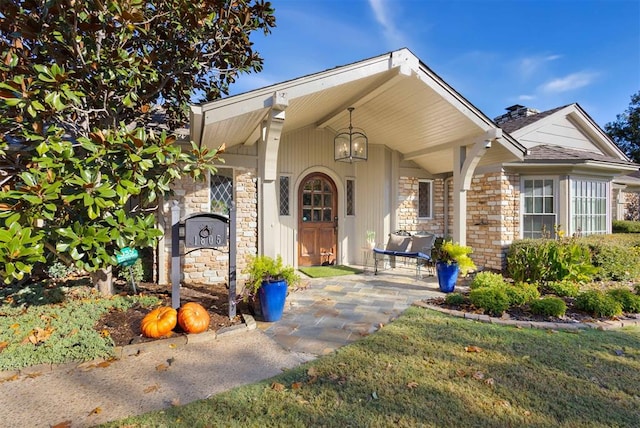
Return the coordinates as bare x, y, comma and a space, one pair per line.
625, 226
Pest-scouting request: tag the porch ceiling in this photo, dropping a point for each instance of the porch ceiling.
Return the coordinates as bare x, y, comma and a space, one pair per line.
398, 101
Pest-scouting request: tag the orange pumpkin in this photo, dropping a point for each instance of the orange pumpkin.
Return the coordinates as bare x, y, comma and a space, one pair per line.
193, 318
159, 322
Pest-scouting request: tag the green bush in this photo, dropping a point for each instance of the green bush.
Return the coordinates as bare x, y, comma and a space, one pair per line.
598, 304
521, 293
625, 226
636, 288
549, 306
454, 299
616, 260
562, 288
492, 300
59, 270
136, 268
487, 279
630, 302
540, 260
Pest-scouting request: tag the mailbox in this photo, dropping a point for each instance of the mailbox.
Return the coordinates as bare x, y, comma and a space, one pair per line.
206, 231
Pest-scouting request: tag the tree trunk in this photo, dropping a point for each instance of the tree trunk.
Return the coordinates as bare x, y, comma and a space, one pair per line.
102, 280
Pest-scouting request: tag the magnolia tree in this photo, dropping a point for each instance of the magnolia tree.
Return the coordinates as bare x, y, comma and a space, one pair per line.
80, 84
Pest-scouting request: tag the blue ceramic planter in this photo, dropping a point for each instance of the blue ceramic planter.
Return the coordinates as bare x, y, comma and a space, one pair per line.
272, 295
447, 276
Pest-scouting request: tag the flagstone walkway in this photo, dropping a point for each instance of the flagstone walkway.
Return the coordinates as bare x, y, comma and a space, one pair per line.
332, 312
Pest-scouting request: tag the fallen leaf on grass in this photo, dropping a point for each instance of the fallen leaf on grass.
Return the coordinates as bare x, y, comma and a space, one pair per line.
461, 373
490, 381
34, 375
502, 403
95, 411
162, 367
478, 375
277, 386
473, 348
296, 385
175, 402
104, 364
152, 388
64, 424
412, 385
3, 345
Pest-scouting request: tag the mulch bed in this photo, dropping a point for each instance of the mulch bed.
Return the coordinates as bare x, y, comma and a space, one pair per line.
124, 326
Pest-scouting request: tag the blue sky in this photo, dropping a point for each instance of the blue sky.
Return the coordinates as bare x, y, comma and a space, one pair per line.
496, 53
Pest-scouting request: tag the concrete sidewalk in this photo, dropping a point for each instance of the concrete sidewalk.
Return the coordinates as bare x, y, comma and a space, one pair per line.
327, 314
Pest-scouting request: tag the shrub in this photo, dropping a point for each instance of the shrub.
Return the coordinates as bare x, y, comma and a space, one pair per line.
539, 260
636, 288
487, 279
521, 293
136, 268
616, 261
598, 304
562, 288
454, 299
527, 260
492, 300
630, 302
625, 226
59, 270
549, 306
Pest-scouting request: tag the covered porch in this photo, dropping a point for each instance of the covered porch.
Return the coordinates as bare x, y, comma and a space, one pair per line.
418, 128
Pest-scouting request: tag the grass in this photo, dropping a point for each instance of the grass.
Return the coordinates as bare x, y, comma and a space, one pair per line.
328, 271
46, 323
429, 369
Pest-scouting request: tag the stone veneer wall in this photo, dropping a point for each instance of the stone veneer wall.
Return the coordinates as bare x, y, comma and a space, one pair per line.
211, 266
492, 214
408, 207
493, 220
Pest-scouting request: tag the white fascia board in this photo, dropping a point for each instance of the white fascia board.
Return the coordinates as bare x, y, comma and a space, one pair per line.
259, 99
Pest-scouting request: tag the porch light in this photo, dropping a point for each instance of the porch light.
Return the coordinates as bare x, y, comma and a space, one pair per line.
351, 144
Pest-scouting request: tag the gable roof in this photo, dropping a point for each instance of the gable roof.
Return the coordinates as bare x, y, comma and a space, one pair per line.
550, 153
513, 125
399, 101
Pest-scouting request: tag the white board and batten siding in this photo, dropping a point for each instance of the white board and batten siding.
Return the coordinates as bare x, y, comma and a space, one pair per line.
310, 150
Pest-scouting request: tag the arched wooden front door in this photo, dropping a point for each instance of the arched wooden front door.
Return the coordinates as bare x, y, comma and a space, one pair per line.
317, 220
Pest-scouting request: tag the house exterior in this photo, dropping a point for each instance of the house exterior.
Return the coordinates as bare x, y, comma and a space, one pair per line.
434, 162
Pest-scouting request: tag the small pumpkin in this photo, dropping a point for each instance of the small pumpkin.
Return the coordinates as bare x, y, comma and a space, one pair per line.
193, 318
159, 322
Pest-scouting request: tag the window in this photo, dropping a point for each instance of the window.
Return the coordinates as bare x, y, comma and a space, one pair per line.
351, 197
285, 181
221, 194
588, 206
425, 198
539, 213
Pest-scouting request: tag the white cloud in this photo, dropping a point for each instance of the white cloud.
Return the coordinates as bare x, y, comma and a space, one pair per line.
528, 66
569, 82
526, 97
382, 12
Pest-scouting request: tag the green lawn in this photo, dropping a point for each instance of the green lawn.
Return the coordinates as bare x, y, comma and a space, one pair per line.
428, 369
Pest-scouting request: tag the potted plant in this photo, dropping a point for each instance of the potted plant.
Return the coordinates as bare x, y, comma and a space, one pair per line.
268, 283
371, 238
452, 259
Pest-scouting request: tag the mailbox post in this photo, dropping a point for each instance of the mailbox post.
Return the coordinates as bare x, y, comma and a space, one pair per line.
203, 230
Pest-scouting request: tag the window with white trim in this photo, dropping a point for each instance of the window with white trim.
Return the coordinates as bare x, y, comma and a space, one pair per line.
589, 203
221, 194
425, 199
538, 208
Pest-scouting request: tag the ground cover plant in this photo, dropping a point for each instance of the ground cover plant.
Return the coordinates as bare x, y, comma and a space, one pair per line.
429, 369
48, 323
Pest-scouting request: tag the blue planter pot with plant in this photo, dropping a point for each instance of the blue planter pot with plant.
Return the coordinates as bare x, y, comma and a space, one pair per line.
272, 295
452, 260
268, 284
447, 276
